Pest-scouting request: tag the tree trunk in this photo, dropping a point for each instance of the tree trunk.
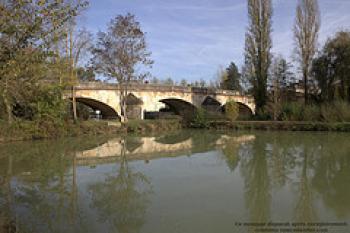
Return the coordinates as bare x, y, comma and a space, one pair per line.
74, 104
125, 115
7, 104
71, 60
275, 94
306, 91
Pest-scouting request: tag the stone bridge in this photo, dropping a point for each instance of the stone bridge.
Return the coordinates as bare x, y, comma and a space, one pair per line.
149, 98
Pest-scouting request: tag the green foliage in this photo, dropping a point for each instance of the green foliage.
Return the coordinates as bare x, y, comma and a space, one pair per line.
329, 112
331, 69
311, 113
85, 74
292, 112
49, 104
336, 112
231, 110
30, 31
230, 80
258, 44
200, 119
263, 114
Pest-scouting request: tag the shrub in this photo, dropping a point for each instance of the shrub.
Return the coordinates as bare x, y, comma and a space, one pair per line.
342, 109
311, 113
263, 114
336, 112
200, 119
49, 103
292, 112
231, 110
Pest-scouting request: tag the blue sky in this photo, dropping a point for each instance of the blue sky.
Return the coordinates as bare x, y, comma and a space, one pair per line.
191, 39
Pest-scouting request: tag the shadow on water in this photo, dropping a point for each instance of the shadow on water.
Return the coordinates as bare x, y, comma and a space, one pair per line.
49, 186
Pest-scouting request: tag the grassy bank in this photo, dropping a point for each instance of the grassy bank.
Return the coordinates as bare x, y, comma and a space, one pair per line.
149, 126
280, 125
33, 130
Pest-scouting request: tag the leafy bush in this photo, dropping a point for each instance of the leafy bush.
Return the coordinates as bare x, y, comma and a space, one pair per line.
200, 119
292, 112
231, 110
49, 103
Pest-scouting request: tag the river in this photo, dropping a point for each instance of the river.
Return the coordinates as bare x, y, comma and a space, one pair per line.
187, 182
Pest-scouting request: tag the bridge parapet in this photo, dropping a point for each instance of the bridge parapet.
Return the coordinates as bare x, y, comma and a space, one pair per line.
156, 88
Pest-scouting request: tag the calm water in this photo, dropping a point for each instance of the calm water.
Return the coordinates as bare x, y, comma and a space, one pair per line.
190, 181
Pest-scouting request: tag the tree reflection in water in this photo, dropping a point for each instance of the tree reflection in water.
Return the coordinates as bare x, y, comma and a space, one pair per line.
122, 199
304, 210
310, 165
256, 181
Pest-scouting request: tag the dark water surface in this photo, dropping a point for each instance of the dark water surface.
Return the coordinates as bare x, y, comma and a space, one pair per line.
186, 182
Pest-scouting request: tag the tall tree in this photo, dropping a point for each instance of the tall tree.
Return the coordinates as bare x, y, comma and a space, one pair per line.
28, 29
120, 52
306, 28
257, 48
232, 78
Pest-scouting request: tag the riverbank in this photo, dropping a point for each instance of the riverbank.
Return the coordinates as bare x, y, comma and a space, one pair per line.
32, 130
280, 125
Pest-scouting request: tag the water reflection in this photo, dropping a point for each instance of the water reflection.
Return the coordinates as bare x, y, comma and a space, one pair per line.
122, 198
254, 170
104, 185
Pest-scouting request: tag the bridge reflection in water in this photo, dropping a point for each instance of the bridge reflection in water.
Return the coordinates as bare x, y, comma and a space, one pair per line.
148, 148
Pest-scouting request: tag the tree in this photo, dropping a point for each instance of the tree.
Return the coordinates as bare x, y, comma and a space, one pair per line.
221, 77
331, 68
307, 25
28, 30
202, 83
279, 79
168, 82
120, 52
231, 110
232, 78
257, 48
183, 83
85, 74
195, 84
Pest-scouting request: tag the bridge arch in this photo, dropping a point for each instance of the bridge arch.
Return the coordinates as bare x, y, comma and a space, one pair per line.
180, 107
244, 111
211, 104
107, 112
